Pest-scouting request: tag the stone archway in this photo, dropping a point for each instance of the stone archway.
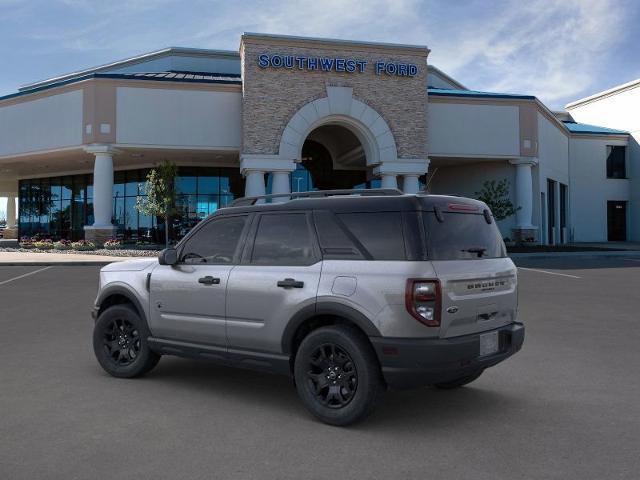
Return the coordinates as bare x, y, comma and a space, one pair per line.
340, 108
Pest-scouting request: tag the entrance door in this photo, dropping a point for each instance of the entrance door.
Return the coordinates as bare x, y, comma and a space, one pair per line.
187, 300
617, 221
551, 211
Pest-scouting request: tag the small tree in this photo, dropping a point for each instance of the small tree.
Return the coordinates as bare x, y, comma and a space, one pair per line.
160, 200
496, 196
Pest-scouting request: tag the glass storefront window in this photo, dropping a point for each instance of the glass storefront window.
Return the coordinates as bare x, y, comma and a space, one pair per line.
60, 207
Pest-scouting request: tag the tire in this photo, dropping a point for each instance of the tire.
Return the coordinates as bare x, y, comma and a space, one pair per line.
120, 342
459, 382
337, 375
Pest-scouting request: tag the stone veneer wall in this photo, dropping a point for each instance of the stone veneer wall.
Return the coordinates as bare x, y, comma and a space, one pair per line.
271, 96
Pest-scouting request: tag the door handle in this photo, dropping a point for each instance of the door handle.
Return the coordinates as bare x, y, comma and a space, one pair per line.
290, 283
209, 280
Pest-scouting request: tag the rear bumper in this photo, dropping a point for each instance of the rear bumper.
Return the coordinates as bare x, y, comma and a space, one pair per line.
408, 362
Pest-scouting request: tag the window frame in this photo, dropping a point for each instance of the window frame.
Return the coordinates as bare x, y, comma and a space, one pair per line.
247, 253
625, 175
217, 218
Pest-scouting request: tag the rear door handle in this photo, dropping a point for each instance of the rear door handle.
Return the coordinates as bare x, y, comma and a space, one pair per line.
209, 280
290, 283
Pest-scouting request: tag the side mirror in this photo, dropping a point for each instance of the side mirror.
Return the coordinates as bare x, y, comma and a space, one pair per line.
168, 256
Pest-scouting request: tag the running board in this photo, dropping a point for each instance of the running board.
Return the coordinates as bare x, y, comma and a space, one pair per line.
263, 361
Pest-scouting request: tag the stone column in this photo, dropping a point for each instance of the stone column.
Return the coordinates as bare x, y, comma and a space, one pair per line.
11, 232
524, 198
389, 180
410, 183
102, 228
281, 184
254, 183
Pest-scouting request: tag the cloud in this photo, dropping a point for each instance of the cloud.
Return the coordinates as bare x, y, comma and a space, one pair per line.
556, 49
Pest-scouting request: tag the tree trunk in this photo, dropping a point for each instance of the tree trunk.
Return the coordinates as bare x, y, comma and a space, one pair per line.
166, 232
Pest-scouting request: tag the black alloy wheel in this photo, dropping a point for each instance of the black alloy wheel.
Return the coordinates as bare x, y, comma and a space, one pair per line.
332, 375
120, 342
337, 374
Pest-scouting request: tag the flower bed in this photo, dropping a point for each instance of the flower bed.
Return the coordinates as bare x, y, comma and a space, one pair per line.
83, 245
62, 245
113, 244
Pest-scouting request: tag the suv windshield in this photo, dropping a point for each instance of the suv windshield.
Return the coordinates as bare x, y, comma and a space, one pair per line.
462, 236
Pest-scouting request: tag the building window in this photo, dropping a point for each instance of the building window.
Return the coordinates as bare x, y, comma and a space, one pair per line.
60, 207
616, 161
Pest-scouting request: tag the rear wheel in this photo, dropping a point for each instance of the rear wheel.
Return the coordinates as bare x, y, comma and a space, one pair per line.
459, 382
120, 343
337, 375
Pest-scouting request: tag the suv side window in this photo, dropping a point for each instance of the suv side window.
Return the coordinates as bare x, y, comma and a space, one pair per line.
216, 242
380, 233
283, 239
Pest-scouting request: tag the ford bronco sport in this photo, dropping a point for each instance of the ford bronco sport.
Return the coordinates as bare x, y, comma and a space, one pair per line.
348, 292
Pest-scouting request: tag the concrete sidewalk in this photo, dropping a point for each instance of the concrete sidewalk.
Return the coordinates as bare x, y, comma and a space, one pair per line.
32, 258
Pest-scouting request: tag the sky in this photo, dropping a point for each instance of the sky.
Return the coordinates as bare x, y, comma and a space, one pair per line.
558, 50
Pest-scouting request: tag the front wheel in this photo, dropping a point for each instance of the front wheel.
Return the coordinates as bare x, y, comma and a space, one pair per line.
337, 375
120, 343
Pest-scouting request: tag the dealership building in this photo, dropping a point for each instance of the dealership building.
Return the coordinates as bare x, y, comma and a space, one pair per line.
292, 114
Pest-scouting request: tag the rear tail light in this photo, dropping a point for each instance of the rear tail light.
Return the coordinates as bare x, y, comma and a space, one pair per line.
422, 299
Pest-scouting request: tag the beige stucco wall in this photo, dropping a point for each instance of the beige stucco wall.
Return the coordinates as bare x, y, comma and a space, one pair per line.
272, 96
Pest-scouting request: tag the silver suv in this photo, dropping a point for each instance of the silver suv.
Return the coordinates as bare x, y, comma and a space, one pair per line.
349, 294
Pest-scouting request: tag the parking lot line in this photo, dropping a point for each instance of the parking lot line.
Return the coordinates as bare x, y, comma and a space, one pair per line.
548, 272
25, 275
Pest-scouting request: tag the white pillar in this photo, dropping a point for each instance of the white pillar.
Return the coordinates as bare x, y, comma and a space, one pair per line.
410, 183
11, 211
524, 192
102, 229
280, 184
389, 180
103, 190
254, 185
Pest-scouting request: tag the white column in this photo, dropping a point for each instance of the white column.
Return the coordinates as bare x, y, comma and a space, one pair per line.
389, 180
524, 192
410, 183
103, 190
11, 211
254, 185
280, 184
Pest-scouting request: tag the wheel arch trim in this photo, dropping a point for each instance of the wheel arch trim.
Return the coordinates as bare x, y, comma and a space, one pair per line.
119, 289
326, 308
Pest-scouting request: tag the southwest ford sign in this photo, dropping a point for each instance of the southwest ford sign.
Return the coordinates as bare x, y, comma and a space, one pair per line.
331, 64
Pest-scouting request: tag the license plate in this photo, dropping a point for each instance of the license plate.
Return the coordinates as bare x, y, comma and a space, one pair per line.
488, 343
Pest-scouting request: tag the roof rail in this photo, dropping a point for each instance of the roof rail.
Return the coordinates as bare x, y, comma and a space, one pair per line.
244, 201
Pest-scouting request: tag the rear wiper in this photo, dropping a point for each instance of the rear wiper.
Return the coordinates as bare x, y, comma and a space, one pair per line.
479, 250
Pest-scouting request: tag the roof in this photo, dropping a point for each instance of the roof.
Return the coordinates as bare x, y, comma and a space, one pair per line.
475, 93
433, 69
604, 93
171, 76
145, 57
575, 127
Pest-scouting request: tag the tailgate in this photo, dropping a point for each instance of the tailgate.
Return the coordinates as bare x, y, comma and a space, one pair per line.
477, 295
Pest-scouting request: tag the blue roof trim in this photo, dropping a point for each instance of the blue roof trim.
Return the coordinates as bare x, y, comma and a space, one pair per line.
227, 79
575, 127
444, 92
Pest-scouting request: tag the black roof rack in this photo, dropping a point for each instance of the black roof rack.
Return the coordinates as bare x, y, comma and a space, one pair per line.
244, 201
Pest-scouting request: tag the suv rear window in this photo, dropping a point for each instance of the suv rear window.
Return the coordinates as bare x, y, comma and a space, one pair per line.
462, 236
379, 233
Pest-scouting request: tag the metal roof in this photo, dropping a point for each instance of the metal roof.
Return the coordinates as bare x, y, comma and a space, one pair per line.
444, 92
575, 127
173, 76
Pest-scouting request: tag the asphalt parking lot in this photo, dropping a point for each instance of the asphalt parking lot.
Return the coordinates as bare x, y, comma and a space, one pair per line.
567, 406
